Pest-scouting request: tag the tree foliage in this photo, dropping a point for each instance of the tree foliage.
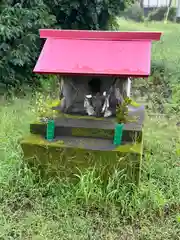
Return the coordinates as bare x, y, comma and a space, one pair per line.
20, 21
19, 40
85, 14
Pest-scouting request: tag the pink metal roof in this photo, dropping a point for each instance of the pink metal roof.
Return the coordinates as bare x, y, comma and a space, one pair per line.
96, 53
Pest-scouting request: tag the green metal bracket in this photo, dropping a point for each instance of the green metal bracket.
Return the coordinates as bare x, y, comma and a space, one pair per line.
50, 130
118, 132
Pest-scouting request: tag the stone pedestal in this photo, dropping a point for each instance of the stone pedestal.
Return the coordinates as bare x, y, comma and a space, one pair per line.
84, 143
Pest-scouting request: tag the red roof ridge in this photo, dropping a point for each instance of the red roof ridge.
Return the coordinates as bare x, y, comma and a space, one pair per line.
101, 35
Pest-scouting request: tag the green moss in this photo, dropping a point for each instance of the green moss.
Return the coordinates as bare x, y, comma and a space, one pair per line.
136, 148
90, 132
38, 140
39, 122
85, 117
33, 139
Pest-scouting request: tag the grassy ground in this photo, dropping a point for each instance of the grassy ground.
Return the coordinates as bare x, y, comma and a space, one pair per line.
33, 208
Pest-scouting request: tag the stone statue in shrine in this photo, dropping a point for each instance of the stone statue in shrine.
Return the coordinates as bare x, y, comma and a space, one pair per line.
93, 96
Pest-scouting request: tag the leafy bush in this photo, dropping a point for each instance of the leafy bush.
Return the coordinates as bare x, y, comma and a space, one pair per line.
19, 40
155, 91
159, 13
134, 12
76, 14
43, 106
174, 103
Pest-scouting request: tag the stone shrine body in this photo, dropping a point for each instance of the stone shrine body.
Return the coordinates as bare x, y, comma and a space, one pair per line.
93, 96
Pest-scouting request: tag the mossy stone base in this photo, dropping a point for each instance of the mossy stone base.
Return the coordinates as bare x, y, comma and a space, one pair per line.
58, 159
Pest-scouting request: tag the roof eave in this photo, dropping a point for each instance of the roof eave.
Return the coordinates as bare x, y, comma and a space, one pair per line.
137, 75
101, 35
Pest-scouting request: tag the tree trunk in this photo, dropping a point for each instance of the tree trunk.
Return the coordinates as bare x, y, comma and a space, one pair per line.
141, 3
167, 12
178, 12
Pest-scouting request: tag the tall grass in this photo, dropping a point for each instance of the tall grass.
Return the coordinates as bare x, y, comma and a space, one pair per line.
33, 208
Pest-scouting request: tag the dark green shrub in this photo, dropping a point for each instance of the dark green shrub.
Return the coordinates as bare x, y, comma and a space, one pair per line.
159, 13
76, 14
156, 90
134, 12
19, 40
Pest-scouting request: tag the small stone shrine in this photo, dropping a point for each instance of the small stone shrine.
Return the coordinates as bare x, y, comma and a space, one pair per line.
96, 70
